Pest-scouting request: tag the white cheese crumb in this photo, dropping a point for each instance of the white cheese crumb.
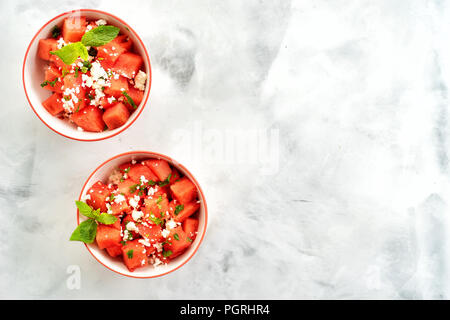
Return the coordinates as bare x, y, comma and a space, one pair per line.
119, 198
131, 226
151, 191
139, 81
143, 180
101, 22
137, 215
171, 224
134, 202
165, 233
115, 177
145, 242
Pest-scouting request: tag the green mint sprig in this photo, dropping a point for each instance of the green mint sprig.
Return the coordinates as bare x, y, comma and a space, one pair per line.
165, 182
129, 100
94, 38
87, 230
178, 209
68, 54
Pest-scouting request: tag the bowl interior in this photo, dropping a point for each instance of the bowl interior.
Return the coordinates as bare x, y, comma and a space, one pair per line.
34, 75
116, 264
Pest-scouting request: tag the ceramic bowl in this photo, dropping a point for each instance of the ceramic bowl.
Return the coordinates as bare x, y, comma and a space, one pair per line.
116, 264
33, 76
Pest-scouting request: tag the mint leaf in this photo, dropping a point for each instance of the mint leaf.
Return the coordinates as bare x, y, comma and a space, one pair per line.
165, 182
130, 254
133, 188
106, 218
100, 36
71, 52
85, 209
85, 232
176, 236
167, 253
129, 100
56, 32
178, 208
153, 219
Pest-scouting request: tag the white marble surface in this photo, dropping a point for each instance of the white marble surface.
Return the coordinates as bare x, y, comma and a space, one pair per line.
352, 201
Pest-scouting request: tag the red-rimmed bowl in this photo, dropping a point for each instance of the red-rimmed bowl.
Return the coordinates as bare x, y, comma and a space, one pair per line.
116, 264
33, 76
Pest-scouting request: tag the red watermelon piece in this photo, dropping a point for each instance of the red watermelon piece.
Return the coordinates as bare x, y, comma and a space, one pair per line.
184, 190
116, 116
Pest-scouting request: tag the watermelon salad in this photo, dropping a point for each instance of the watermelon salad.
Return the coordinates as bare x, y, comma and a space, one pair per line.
96, 78
145, 214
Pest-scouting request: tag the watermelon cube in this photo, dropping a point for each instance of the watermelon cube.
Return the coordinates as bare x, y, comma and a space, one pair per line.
128, 64
184, 190
177, 242
110, 52
44, 48
160, 168
127, 187
136, 171
188, 210
134, 255
114, 251
117, 87
120, 208
51, 74
158, 206
152, 232
124, 41
54, 104
74, 28
107, 236
116, 116
190, 227
89, 118
136, 95
98, 194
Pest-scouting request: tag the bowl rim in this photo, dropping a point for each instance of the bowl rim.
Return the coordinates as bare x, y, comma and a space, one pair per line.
153, 155
147, 57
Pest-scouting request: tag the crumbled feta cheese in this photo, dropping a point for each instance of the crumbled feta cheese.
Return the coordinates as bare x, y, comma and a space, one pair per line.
165, 233
111, 99
143, 180
133, 161
137, 215
101, 22
140, 80
157, 262
80, 129
158, 246
108, 207
115, 177
145, 242
60, 43
171, 224
119, 198
151, 191
131, 226
134, 202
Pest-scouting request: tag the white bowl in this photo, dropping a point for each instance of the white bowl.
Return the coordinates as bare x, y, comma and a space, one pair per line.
116, 264
33, 76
